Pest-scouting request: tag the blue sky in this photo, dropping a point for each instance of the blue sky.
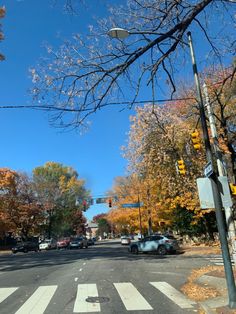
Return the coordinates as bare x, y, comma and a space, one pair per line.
27, 140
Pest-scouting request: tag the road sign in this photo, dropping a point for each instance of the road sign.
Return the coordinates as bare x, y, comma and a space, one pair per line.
132, 205
208, 169
205, 192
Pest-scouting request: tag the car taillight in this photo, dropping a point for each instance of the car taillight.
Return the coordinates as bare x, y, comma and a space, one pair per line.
167, 241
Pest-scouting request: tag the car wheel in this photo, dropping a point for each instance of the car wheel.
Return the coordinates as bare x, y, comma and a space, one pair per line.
161, 250
134, 250
86, 246
25, 250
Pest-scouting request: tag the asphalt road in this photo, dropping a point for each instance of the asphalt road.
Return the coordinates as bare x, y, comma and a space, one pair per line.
104, 278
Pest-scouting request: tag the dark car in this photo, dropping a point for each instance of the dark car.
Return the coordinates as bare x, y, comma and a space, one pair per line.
91, 241
25, 247
78, 243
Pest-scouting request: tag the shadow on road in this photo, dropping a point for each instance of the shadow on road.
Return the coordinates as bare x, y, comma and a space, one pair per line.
102, 250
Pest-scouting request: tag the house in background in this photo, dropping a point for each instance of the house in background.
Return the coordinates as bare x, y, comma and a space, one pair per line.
91, 229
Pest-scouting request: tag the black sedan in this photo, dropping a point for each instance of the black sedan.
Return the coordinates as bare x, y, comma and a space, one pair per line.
25, 247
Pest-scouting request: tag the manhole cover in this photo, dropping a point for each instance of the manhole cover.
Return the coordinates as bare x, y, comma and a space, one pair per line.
97, 299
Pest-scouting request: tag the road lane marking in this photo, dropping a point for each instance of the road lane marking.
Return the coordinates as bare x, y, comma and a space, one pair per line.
174, 295
84, 263
131, 298
76, 278
39, 300
5, 292
83, 292
80, 269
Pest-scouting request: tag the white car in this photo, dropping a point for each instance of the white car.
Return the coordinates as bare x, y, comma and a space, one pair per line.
48, 244
125, 240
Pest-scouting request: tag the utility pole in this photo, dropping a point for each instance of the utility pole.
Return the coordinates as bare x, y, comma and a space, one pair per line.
222, 172
149, 213
216, 187
140, 219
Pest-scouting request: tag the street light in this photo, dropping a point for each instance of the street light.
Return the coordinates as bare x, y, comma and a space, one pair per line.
121, 33
117, 32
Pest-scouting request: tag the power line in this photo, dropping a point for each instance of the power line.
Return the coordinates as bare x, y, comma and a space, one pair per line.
39, 107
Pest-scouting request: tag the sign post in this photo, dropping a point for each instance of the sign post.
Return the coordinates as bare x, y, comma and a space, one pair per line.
136, 205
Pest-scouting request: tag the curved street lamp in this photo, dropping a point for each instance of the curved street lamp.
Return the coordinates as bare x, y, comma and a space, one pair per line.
119, 33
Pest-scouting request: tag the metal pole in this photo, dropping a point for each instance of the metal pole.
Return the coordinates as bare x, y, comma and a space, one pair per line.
222, 172
140, 219
216, 188
149, 214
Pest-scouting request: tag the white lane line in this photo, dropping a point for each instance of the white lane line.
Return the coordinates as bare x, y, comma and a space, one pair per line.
76, 278
132, 299
80, 269
5, 292
83, 292
39, 300
174, 295
84, 263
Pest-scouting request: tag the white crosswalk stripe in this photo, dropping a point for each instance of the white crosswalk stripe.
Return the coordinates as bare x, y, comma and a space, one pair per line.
174, 295
132, 299
130, 296
218, 260
39, 301
83, 292
5, 292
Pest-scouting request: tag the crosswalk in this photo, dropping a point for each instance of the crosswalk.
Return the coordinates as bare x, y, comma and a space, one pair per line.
87, 298
218, 260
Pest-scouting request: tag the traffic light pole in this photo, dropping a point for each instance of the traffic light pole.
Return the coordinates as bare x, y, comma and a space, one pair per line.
140, 219
216, 187
222, 172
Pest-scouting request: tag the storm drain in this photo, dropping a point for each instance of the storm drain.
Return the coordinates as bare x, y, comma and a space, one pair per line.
97, 299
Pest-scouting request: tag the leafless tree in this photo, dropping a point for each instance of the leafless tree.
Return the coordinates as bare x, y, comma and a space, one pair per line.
94, 71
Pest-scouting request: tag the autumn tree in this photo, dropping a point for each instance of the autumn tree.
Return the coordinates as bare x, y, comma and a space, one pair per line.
99, 216
221, 91
19, 207
61, 193
90, 72
104, 226
158, 138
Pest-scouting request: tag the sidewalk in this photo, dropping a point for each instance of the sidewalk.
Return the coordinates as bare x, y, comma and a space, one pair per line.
207, 285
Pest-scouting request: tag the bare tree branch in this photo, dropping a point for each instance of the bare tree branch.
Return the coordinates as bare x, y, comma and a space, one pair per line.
88, 73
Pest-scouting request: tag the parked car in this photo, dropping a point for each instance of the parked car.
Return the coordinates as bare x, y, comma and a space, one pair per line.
125, 240
25, 247
48, 244
91, 241
79, 243
63, 243
155, 243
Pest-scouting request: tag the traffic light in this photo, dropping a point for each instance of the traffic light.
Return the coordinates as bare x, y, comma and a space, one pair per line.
195, 136
181, 166
233, 188
110, 202
84, 205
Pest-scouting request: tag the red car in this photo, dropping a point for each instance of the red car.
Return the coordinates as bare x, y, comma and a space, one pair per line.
63, 243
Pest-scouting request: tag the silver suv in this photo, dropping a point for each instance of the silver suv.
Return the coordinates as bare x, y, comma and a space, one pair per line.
155, 243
